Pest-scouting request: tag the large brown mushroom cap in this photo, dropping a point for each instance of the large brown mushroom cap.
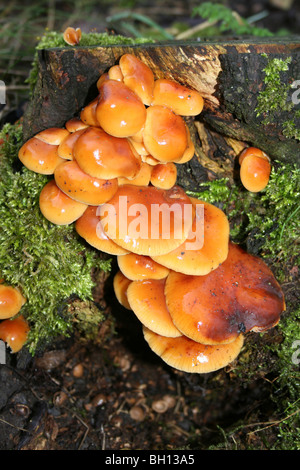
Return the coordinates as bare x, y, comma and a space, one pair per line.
105, 157
206, 246
147, 220
11, 301
239, 296
138, 77
147, 301
40, 157
88, 226
181, 99
120, 112
57, 207
187, 355
165, 134
81, 187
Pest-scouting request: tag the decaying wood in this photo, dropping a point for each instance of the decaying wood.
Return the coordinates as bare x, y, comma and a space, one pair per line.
229, 75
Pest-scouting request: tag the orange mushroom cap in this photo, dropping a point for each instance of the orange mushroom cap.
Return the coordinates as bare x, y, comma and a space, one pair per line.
147, 301
104, 156
75, 124
187, 355
121, 284
53, 135
165, 135
255, 169
189, 151
138, 77
65, 149
164, 175
72, 36
57, 207
119, 111
11, 301
141, 179
39, 156
14, 333
115, 73
88, 226
206, 246
139, 267
147, 220
82, 187
181, 99
241, 295
88, 114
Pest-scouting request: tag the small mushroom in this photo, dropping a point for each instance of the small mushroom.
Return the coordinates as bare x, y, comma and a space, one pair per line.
104, 156
82, 187
146, 220
75, 124
40, 157
141, 179
66, 147
165, 134
164, 175
187, 355
57, 207
181, 99
121, 284
88, 114
255, 169
139, 267
119, 111
241, 295
72, 36
88, 226
115, 73
138, 77
147, 301
14, 332
11, 301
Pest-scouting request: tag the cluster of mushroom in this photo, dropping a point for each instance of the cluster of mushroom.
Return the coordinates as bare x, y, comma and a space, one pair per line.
13, 327
194, 291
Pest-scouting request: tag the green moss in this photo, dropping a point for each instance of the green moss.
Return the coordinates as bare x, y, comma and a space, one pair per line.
274, 98
49, 263
54, 39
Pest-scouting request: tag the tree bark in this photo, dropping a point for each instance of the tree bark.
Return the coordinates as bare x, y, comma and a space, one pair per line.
229, 75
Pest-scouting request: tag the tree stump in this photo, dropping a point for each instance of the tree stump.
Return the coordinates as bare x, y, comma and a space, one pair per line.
228, 74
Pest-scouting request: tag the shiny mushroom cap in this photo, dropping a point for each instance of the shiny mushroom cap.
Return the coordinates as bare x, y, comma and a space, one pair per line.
119, 111
181, 99
105, 157
141, 179
206, 247
187, 355
89, 228
57, 207
164, 175
121, 284
82, 187
14, 333
75, 124
53, 135
165, 134
241, 295
147, 301
147, 220
138, 77
11, 301
139, 267
255, 169
40, 157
